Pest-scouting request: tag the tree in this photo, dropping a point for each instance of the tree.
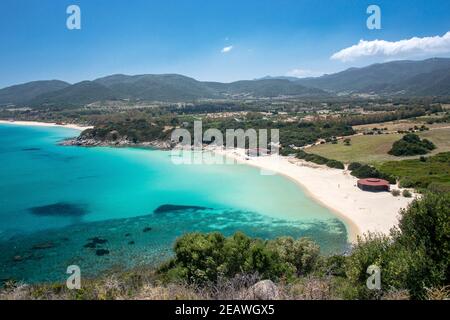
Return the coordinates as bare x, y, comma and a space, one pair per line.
411, 145
425, 225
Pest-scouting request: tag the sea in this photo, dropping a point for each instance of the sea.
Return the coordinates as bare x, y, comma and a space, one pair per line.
105, 208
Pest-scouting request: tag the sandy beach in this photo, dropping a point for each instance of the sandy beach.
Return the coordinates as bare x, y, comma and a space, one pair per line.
46, 124
336, 189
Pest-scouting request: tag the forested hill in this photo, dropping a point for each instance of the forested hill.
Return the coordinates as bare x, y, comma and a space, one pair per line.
405, 78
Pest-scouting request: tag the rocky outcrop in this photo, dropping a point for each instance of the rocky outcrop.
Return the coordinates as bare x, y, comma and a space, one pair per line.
91, 142
263, 290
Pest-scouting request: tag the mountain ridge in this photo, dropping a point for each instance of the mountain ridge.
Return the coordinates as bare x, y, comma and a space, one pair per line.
428, 77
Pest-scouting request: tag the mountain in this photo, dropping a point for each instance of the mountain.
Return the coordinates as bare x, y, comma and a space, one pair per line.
24, 92
279, 78
266, 88
414, 78
165, 87
81, 93
404, 77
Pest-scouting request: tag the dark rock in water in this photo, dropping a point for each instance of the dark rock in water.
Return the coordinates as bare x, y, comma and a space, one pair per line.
98, 240
93, 242
42, 246
128, 235
131, 242
147, 229
173, 208
60, 209
101, 252
31, 149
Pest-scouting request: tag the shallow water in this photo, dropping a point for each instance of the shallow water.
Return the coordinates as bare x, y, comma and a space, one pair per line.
58, 197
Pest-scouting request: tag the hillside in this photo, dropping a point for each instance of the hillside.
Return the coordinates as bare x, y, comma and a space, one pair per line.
77, 94
427, 77
166, 87
414, 78
21, 93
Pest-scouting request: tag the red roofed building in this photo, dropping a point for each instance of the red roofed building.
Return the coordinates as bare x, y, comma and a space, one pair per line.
373, 184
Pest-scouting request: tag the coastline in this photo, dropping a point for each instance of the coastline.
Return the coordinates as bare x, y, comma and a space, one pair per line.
46, 124
335, 189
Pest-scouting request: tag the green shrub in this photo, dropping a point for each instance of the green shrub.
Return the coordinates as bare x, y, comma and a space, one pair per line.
369, 250
354, 165
202, 258
335, 164
411, 145
395, 192
302, 254
437, 187
316, 159
366, 171
406, 193
425, 226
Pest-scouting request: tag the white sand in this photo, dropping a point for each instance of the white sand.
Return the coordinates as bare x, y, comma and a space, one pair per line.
336, 189
46, 124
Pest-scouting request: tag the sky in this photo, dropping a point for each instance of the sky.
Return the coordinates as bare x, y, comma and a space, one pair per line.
216, 40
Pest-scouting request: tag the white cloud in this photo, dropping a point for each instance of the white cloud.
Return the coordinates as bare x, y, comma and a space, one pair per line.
227, 49
302, 73
395, 49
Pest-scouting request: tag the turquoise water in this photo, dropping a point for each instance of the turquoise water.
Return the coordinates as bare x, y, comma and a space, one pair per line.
54, 198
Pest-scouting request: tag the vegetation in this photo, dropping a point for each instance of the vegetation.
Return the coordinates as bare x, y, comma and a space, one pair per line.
133, 130
411, 145
440, 137
414, 257
300, 154
354, 165
414, 261
202, 258
368, 149
432, 173
366, 171
407, 193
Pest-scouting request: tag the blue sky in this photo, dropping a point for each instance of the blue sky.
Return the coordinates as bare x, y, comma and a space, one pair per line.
264, 37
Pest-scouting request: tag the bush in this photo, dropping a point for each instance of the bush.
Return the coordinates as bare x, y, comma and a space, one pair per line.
202, 258
302, 254
437, 187
335, 164
411, 145
369, 250
395, 192
354, 165
316, 159
406, 194
425, 225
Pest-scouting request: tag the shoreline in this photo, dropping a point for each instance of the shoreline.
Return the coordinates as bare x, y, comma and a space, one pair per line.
46, 124
335, 189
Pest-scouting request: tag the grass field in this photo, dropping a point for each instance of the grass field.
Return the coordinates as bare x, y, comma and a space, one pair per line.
366, 149
401, 124
440, 137
374, 148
